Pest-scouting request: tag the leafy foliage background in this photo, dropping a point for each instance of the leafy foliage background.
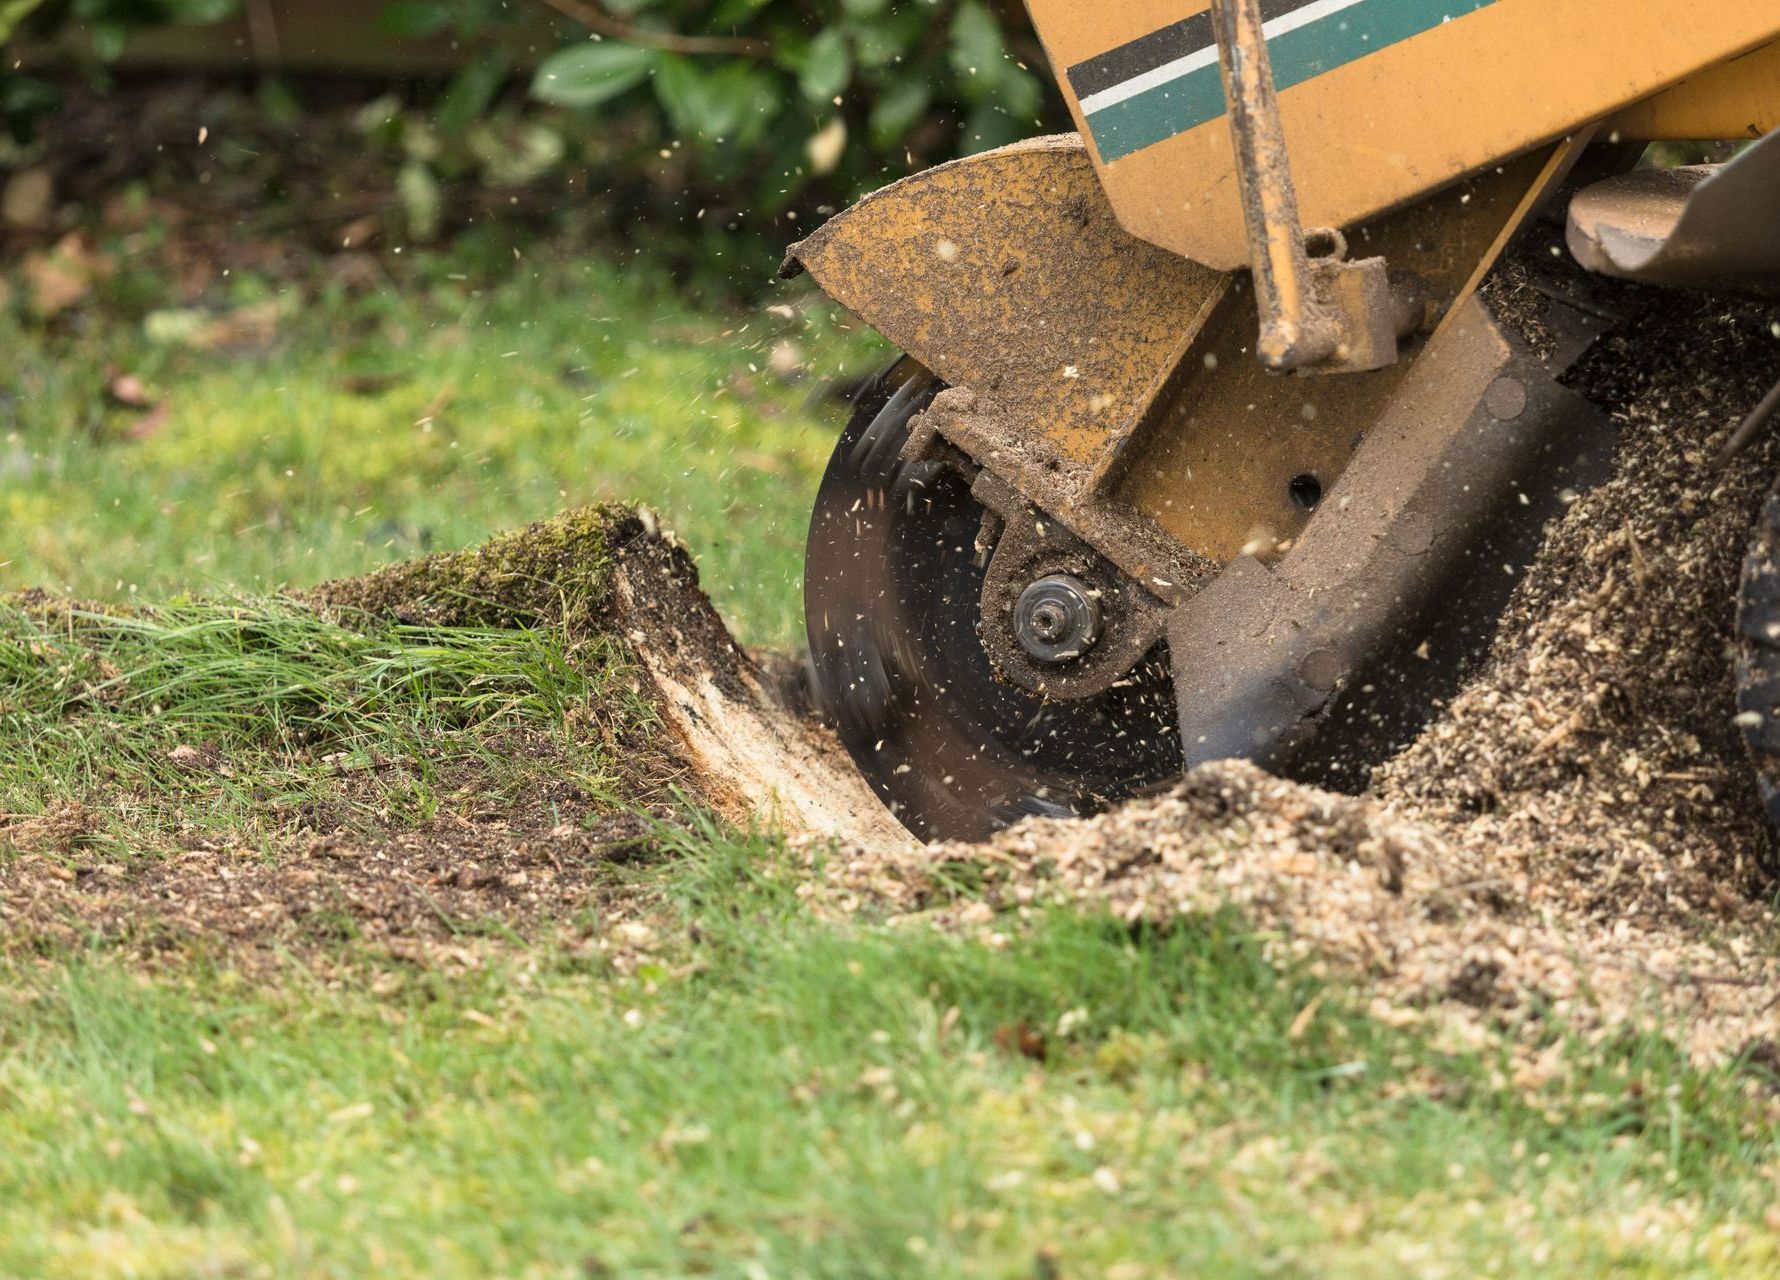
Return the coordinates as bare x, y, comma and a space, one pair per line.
703, 120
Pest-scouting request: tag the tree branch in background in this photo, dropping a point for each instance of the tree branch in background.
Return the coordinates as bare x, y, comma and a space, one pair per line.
597, 20
262, 35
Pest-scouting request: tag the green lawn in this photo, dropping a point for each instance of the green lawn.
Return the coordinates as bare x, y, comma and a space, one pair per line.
723, 1083
786, 1098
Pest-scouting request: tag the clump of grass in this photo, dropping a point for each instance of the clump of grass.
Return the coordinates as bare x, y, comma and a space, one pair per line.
254, 713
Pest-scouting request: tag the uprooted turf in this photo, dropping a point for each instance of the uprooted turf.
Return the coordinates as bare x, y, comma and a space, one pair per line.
434, 691
453, 746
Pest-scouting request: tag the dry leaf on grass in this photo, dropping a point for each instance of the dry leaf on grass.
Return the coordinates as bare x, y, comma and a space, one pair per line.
127, 391
60, 278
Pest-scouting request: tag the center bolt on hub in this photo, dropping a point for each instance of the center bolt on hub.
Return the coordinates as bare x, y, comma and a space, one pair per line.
1057, 619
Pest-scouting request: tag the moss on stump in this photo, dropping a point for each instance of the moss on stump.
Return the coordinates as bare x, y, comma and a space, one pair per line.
556, 573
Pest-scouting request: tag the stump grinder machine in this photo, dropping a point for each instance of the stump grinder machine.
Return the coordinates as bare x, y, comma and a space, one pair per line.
1098, 527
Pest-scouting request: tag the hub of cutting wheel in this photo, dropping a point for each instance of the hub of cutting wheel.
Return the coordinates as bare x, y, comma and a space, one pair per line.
1057, 619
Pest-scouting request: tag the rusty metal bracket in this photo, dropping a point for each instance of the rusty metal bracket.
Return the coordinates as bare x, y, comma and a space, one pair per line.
1008, 447
1318, 315
1030, 545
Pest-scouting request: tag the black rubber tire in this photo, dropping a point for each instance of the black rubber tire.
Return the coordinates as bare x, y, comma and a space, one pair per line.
1758, 654
892, 587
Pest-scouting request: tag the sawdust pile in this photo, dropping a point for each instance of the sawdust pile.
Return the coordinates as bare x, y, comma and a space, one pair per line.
1442, 929
1578, 833
1599, 748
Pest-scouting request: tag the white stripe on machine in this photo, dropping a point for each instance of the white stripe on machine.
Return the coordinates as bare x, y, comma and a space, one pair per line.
1169, 72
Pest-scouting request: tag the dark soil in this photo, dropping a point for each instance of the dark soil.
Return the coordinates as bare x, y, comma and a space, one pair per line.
427, 896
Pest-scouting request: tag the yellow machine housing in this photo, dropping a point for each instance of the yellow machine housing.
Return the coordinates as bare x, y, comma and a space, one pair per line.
1385, 101
1095, 426
1429, 129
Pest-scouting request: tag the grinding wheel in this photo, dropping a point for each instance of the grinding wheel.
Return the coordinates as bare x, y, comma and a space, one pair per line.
892, 601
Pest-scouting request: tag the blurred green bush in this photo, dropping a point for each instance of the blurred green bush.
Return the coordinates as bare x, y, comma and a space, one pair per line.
703, 119
724, 118
25, 98
810, 89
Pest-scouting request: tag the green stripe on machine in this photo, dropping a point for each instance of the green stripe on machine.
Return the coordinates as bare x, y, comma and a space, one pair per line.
1357, 31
